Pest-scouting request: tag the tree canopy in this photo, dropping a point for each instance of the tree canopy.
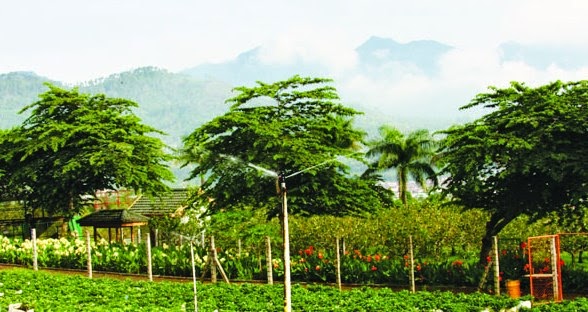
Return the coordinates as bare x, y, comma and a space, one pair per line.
73, 144
526, 156
284, 127
411, 154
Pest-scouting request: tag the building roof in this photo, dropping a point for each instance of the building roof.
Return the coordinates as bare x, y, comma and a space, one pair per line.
165, 205
113, 218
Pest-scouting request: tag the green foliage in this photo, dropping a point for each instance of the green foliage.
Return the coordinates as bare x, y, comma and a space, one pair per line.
412, 155
286, 127
45, 291
527, 156
73, 144
438, 231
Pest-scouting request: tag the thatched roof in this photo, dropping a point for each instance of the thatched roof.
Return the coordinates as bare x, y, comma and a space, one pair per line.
113, 218
164, 205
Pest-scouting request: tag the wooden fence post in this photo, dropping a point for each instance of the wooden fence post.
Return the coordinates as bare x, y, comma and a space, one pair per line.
35, 255
496, 266
268, 260
149, 264
194, 275
89, 254
338, 264
412, 283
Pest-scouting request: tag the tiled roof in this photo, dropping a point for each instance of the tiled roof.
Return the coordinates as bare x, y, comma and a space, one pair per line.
164, 205
112, 218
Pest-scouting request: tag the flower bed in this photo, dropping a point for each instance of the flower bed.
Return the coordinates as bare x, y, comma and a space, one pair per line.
307, 265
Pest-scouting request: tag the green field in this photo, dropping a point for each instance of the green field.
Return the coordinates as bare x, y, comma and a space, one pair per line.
49, 291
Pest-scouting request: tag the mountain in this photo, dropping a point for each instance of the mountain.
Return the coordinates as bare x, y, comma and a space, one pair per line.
174, 103
249, 67
18, 89
377, 57
383, 55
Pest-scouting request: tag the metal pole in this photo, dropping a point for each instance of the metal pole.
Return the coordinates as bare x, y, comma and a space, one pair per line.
287, 285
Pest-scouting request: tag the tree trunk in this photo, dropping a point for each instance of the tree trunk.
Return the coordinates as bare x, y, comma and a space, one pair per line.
496, 223
402, 182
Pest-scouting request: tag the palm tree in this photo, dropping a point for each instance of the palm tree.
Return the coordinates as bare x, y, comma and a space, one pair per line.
412, 154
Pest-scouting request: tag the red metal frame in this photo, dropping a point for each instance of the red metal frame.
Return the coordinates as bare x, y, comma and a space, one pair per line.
541, 279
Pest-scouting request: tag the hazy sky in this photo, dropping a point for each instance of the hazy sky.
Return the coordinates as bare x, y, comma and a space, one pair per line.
77, 40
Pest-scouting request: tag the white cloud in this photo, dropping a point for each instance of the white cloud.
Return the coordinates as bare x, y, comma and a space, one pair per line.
464, 72
324, 47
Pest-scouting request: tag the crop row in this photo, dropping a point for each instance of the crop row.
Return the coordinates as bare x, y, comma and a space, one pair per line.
44, 291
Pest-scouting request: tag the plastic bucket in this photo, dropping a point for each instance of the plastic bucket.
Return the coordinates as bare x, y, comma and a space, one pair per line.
513, 288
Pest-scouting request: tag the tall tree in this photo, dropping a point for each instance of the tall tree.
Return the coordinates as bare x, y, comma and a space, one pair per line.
526, 156
74, 144
286, 127
410, 155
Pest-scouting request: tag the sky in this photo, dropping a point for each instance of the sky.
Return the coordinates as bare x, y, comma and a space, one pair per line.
78, 40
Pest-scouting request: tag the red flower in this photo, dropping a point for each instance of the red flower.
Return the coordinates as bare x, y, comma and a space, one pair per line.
523, 245
369, 259
457, 263
320, 255
418, 267
504, 252
488, 259
374, 268
318, 268
377, 257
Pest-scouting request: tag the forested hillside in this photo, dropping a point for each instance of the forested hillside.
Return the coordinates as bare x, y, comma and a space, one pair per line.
18, 89
173, 103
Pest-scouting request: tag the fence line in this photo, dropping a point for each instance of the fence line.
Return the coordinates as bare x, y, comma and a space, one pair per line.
310, 265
